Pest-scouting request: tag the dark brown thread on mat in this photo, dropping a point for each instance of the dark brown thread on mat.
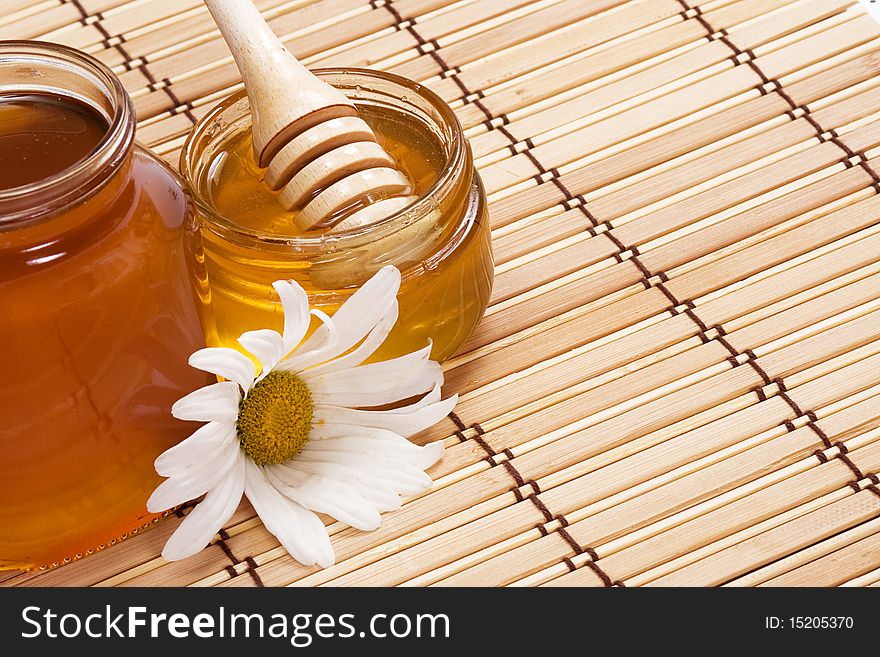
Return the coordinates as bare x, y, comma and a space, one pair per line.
592, 564
783, 393
568, 562
457, 421
514, 473
874, 479
224, 536
848, 461
543, 509
251, 564
812, 423
491, 453
563, 532
718, 35
819, 454
252, 570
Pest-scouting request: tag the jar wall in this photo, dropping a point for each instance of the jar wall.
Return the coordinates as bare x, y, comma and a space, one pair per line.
98, 335
442, 245
441, 301
99, 319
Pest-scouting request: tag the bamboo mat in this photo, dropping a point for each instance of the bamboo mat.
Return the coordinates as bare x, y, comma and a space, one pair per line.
676, 382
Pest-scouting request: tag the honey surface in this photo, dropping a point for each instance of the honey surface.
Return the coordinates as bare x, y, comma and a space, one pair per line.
41, 135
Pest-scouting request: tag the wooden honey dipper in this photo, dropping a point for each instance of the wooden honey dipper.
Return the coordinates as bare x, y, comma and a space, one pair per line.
324, 158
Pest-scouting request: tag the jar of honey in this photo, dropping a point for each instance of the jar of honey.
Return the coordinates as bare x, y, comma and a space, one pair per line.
99, 313
441, 242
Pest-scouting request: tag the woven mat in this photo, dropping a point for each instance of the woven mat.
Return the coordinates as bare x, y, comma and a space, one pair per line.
677, 380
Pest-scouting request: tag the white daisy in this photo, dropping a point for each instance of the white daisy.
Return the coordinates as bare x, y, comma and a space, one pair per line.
305, 436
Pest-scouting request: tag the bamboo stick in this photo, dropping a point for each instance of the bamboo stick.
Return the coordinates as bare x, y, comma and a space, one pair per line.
769, 289
726, 195
528, 94
716, 236
661, 149
719, 529
585, 364
868, 579
836, 560
758, 339
805, 314
532, 270
778, 250
827, 43
863, 138
593, 406
858, 70
782, 21
592, 105
725, 85
611, 433
535, 235
557, 339
533, 25
776, 543
533, 557
580, 577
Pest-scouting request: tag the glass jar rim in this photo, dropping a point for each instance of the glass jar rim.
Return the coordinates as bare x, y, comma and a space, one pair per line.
458, 157
76, 181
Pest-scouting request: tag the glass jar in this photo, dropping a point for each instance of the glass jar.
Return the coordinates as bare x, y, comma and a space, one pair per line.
441, 243
99, 318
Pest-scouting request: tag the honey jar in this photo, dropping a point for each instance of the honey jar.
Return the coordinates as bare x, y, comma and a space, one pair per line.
99, 313
441, 242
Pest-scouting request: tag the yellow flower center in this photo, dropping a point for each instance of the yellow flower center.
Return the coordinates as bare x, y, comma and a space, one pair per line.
275, 419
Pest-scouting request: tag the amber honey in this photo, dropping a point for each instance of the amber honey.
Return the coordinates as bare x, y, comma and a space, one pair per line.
43, 134
441, 244
99, 314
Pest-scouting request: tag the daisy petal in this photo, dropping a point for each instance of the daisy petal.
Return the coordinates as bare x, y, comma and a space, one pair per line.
207, 439
324, 495
378, 383
295, 304
266, 345
402, 477
405, 422
358, 315
194, 481
299, 530
297, 361
217, 402
227, 363
373, 490
365, 349
399, 447
199, 527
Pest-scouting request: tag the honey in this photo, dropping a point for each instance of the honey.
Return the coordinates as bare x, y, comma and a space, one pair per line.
441, 244
98, 308
42, 134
